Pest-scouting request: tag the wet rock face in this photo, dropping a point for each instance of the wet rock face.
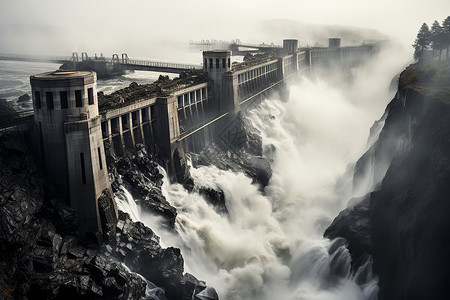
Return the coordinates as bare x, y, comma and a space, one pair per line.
19, 199
404, 224
215, 197
140, 174
138, 247
246, 156
410, 214
353, 224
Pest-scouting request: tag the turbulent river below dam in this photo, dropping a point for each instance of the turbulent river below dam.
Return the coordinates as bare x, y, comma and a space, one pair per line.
271, 245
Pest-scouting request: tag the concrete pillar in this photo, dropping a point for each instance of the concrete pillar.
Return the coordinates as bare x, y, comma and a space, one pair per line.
295, 61
281, 73
109, 131
130, 120
122, 140
139, 126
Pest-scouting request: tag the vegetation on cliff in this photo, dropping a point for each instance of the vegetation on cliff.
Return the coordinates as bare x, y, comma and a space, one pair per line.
429, 78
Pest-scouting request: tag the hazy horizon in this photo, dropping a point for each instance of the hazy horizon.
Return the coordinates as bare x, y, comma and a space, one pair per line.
146, 29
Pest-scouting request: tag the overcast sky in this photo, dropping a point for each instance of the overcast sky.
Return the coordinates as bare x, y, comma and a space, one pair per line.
145, 27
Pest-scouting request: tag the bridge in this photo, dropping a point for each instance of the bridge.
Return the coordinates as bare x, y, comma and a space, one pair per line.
104, 66
236, 46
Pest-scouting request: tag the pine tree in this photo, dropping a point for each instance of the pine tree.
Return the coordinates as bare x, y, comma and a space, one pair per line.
422, 41
446, 34
437, 38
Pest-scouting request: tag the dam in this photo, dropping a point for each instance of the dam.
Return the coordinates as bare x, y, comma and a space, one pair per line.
72, 124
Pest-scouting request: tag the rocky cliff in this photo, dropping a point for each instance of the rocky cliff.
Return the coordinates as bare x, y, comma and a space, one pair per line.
404, 223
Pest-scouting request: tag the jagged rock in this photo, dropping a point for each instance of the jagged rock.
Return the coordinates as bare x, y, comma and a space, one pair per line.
163, 78
207, 294
64, 217
248, 56
108, 214
353, 224
20, 196
138, 247
244, 156
24, 98
216, 197
259, 169
256, 167
140, 174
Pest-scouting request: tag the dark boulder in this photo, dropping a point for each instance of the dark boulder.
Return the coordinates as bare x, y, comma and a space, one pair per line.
354, 225
140, 174
24, 98
138, 247
215, 197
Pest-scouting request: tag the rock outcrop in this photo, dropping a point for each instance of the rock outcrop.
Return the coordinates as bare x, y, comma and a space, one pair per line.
43, 258
244, 156
140, 174
24, 98
404, 222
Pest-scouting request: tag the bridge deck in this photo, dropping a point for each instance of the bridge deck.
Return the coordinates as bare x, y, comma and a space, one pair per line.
125, 63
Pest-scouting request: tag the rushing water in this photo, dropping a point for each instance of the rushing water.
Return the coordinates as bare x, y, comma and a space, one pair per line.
270, 245
125, 202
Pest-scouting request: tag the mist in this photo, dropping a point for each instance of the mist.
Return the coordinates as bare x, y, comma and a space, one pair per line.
162, 30
270, 245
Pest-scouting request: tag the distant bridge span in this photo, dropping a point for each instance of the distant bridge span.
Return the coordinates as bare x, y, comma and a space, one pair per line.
123, 63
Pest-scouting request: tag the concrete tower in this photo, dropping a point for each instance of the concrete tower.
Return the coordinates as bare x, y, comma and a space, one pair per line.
290, 45
334, 43
70, 144
216, 64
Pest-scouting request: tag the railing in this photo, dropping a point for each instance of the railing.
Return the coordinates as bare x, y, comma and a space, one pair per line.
158, 64
258, 45
200, 126
126, 61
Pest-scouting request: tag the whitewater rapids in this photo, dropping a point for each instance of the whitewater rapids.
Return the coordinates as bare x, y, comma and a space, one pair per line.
270, 246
